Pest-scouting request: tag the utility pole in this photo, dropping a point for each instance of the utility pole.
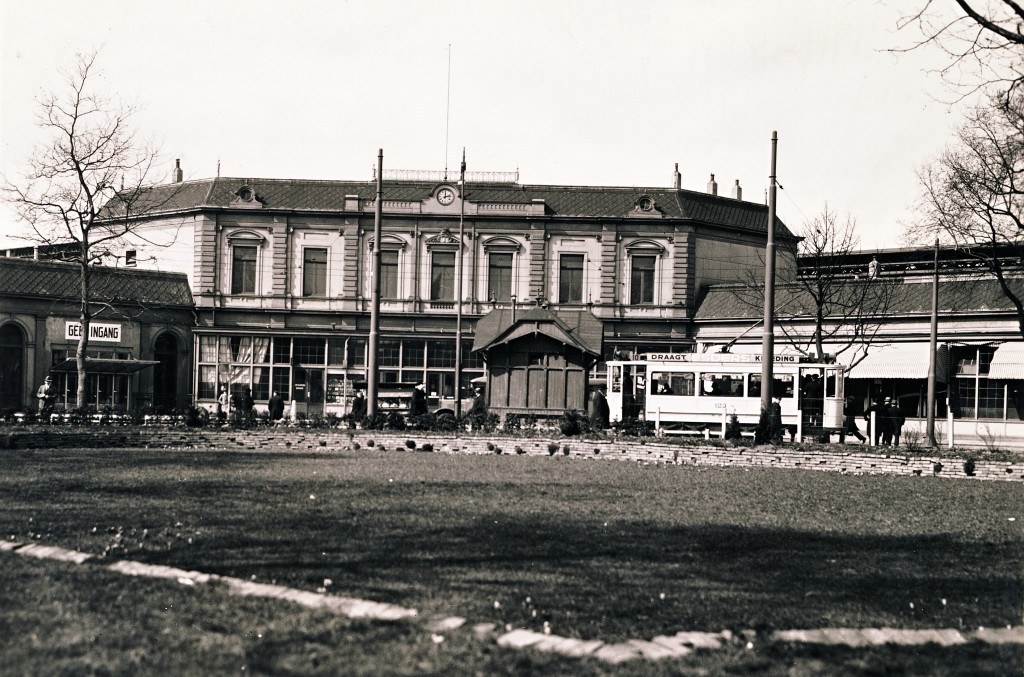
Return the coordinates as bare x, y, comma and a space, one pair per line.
932, 347
768, 334
458, 293
372, 377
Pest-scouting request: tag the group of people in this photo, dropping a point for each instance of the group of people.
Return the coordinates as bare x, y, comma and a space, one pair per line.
243, 405
889, 421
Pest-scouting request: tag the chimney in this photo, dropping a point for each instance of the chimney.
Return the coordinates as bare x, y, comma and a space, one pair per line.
176, 175
713, 186
737, 191
677, 178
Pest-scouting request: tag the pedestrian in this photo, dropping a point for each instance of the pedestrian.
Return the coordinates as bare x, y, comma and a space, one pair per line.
223, 404
358, 411
418, 404
850, 422
275, 407
45, 396
896, 421
248, 413
775, 421
883, 424
598, 410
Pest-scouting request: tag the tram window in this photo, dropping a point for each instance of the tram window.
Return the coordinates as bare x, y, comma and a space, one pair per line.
666, 383
722, 385
616, 379
782, 385
830, 383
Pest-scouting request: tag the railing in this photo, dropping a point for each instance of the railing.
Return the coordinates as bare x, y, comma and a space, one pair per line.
438, 175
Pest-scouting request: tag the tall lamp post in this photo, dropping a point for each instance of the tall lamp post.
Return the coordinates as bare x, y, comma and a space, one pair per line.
374, 347
768, 335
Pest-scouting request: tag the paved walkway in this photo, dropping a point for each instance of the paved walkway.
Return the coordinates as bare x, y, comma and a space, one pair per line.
663, 646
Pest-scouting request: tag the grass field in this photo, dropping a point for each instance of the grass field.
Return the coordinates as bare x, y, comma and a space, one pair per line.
598, 549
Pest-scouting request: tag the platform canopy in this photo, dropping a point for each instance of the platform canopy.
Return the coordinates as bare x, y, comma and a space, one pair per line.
96, 365
1008, 362
901, 360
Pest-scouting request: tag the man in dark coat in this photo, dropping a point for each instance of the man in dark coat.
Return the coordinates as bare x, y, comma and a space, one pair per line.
598, 410
850, 422
358, 412
275, 407
418, 405
896, 421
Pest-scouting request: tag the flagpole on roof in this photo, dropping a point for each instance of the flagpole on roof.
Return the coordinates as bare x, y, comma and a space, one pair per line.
458, 293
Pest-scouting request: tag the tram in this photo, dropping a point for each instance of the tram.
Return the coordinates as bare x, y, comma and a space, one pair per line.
697, 393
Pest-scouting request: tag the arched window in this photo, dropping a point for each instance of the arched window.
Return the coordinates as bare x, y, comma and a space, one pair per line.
12, 366
245, 258
643, 257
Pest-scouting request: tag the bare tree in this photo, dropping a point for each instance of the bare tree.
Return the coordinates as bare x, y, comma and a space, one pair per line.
973, 194
982, 39
830, 309
84, 186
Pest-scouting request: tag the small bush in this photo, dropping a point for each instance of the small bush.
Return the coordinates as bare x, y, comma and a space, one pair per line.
969, 466
552, 448
937, 468
497, 450
369, 443
519, 450
732, 428
427, 446
565, 450
490, 446
410, 444
356, 446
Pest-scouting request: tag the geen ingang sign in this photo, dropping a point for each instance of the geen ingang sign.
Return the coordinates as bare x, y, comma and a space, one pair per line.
111, 333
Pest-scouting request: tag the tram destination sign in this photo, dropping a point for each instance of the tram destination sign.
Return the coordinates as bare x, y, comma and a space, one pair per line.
110, 333
714, 357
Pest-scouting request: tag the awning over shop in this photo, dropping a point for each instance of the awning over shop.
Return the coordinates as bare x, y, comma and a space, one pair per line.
96, 365
1008, 362
901, 360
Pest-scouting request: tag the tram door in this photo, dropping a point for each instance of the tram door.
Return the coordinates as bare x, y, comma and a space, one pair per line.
627, 390
835, 395
821, 396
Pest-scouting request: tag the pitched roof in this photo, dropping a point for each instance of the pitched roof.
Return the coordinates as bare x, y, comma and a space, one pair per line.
564, 201
54, 279
577, 328
727, 302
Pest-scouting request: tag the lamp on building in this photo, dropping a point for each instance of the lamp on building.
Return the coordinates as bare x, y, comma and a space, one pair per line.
513, 307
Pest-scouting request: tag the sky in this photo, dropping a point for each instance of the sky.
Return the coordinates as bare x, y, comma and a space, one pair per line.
565, 92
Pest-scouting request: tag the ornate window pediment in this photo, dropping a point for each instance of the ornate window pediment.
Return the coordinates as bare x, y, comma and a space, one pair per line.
246, 237
501, 244
644, 248
389, 243
443, 240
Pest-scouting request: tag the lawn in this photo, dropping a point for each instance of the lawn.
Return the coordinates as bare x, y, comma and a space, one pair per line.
597, 549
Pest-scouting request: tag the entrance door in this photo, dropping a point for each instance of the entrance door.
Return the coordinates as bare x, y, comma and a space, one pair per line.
12, 361
165, 374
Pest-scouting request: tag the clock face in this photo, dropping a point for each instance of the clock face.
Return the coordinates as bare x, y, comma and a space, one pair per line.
446, 196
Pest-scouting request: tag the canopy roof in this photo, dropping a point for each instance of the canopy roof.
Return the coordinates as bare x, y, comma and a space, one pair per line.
96, 365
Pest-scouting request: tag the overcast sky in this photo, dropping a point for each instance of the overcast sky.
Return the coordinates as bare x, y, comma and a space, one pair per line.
565, 92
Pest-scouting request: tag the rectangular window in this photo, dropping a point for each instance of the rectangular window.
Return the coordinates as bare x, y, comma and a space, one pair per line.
499, 277
389, 354
442, 276
207, 389
673, 384
243, 270
282, 350
570, 278
782, 385
441, 354
412, 354
389, 274
131, 258
310, 351
314, 271
336, 351
641, 280
357, 352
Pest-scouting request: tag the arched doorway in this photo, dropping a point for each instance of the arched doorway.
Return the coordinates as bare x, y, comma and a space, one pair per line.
12, 367
165, 374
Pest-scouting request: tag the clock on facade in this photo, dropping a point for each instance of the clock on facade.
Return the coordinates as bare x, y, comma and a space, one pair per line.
446, 196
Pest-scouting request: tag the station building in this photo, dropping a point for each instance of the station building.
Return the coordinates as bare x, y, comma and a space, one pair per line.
280, 274
140, 349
